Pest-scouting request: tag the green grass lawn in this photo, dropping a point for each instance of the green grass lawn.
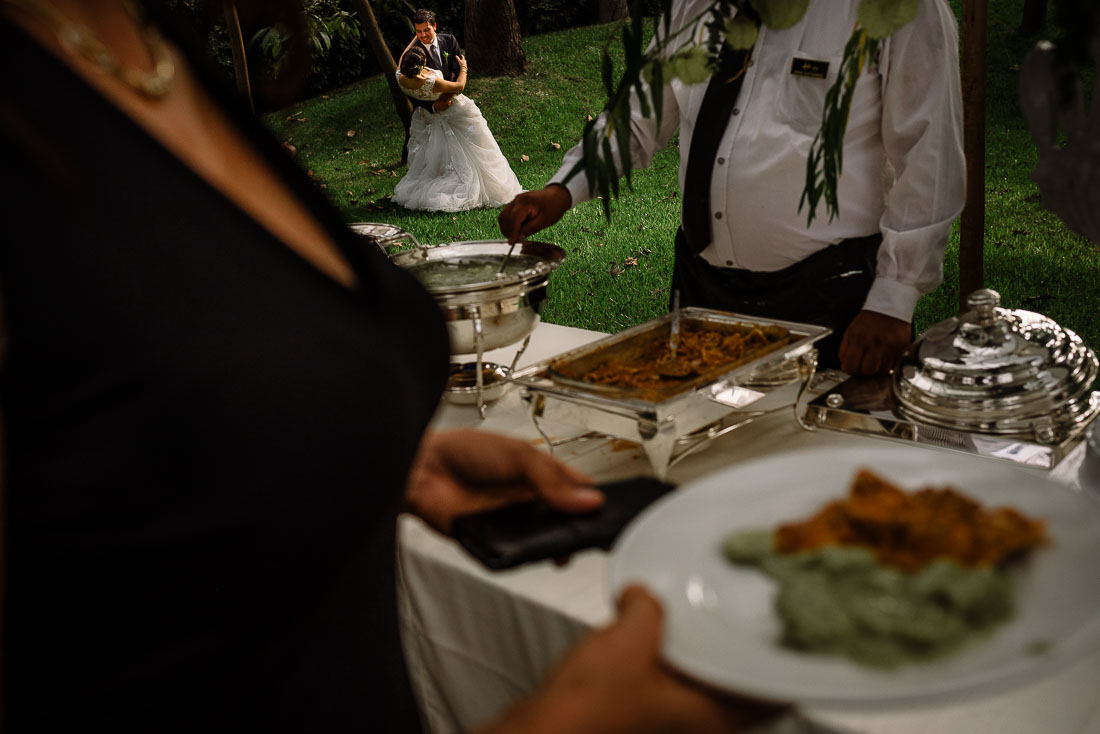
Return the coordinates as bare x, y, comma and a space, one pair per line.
617, 272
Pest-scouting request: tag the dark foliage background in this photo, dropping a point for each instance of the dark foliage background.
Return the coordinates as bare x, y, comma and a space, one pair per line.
349, 59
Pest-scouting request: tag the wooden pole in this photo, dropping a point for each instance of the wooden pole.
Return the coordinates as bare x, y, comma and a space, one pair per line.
236, 44
972, 225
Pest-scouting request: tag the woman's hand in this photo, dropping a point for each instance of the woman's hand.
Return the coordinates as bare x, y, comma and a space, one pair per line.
461, 63
463, 471
613, 682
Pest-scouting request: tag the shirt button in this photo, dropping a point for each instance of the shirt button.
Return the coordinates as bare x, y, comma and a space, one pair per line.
721, 161
717, 215
729, 263
736, 111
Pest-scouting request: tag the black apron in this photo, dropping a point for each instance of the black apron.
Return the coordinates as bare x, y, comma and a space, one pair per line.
827, 289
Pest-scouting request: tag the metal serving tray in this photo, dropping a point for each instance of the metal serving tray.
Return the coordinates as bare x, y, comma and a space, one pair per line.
669, 424
866, 406
1007, 384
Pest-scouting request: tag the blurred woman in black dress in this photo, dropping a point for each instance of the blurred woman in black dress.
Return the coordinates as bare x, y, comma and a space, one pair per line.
214, 405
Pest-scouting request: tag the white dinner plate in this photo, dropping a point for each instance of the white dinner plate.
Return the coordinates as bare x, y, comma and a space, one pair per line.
720, 625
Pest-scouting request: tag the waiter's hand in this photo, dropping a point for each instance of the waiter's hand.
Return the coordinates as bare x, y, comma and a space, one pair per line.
873, 343
462, 471
534, 210
614, 682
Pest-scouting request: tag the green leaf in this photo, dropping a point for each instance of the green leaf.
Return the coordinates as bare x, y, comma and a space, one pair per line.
605, 192
692, 66
625, 163
607, 70
631, 50
643, 101
657, 88
880, 18
591, 157
609, 163
780, 14
740, 33
577, 168
826, 158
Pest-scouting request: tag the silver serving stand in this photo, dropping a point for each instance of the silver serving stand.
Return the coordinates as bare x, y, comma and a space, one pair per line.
865, 406
485, 316
994, 382
671, 429
479, 382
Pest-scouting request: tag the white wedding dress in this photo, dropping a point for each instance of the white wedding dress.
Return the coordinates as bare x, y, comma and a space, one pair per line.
454, 161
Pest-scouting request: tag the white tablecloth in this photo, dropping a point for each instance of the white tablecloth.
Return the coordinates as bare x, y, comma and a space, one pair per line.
476, 640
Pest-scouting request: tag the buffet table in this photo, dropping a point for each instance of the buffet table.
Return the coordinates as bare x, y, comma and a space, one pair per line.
476, 640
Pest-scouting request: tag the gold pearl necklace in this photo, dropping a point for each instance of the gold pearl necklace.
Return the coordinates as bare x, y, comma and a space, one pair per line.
79, 39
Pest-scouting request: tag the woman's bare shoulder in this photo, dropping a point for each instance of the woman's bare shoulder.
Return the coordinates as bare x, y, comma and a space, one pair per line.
409, 82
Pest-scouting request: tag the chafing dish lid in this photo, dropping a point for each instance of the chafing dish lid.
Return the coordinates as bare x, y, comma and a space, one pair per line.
378, 230
996, 370
380, 233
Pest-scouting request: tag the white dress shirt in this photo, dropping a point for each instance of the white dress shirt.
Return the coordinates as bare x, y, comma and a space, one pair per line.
904, 171
428, 49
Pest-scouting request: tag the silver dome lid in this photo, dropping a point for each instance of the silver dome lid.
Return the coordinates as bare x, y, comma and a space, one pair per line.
998, 371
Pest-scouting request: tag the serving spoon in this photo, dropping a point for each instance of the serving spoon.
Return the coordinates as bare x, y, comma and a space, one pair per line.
669, 367
504, 260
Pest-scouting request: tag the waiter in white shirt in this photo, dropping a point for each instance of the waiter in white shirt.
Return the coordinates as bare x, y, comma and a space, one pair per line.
743, 245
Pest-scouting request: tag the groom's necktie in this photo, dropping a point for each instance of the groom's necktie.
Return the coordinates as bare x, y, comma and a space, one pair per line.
435, 56
717, 108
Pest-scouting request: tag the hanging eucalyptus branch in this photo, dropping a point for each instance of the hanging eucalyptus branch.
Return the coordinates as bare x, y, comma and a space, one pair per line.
734, 24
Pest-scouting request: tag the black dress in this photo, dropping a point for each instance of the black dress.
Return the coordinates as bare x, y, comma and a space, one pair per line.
206, 438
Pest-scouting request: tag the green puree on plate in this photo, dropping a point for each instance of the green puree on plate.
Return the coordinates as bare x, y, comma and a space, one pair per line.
839, 600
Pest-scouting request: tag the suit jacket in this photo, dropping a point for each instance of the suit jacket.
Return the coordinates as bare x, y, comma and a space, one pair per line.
449, 52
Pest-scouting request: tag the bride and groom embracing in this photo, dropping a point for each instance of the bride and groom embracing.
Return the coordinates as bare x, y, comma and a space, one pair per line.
454, 161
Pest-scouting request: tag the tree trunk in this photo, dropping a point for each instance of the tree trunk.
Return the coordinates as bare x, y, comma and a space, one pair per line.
236, 45
389, 68
494, 45
613, 10
1034, 16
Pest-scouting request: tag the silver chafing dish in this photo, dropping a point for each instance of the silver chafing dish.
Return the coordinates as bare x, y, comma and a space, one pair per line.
670, 422
492, 309
495, 311
996, 382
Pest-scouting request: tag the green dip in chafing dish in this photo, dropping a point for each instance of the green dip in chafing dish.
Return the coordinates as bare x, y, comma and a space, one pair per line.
471, 270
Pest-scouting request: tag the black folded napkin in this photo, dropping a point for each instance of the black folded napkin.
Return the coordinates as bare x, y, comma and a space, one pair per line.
533, 531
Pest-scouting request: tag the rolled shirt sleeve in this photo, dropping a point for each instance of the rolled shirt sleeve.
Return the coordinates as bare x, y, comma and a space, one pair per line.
922, 138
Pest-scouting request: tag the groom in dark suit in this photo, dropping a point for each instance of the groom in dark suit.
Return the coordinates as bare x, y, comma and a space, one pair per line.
442, 52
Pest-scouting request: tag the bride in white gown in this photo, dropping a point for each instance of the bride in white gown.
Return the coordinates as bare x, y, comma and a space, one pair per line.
454, 161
